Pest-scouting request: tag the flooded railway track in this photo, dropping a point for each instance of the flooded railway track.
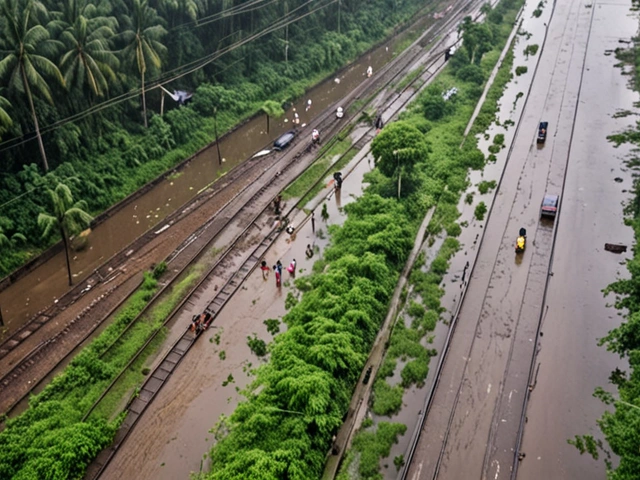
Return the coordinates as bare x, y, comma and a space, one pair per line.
169, 362
326, 122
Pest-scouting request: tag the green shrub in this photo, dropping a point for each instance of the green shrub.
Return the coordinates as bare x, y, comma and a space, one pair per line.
387, 400
485, 186
273, 326
415, 372
481, 210
430, 320
415, 310
257, 345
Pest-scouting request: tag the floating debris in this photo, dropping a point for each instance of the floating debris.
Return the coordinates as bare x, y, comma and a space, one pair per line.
615, 248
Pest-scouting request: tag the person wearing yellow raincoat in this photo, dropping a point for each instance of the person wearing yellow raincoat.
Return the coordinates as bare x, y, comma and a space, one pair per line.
520, 242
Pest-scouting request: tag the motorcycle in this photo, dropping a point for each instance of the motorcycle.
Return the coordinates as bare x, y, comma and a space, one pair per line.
521, 241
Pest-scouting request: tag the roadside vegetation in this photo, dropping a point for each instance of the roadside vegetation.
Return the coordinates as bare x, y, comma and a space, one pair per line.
84, 59
621, 427
297, 400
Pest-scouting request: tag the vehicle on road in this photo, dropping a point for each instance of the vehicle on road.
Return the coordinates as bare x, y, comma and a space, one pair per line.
521, 241
549, 206
284, 140
542, 132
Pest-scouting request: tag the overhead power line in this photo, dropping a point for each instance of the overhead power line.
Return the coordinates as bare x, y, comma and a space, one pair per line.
175, 75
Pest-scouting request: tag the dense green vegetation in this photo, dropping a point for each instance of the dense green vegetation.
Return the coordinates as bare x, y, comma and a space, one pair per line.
298, 399
79, 83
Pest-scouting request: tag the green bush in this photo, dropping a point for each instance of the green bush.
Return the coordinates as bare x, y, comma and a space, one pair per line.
415, 372
481, 210
387, 400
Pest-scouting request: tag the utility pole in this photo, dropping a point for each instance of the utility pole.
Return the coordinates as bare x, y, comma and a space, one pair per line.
286, 34
215, 130
339, 5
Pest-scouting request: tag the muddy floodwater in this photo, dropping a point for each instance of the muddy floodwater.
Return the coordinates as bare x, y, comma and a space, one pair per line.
576, 315
36, 290
477, 411
173, 437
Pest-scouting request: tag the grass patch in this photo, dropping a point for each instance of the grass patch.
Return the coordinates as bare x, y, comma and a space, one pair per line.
316, 171
408, 79
371, 447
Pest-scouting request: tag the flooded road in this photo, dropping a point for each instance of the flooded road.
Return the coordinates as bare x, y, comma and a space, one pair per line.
571, 365
477, 406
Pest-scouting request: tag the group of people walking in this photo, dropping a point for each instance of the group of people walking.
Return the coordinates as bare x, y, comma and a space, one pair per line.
277, 268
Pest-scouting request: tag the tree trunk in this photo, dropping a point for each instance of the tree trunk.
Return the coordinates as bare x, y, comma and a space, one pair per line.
144, 102
45, 164
399, 182
66, 253
162, 103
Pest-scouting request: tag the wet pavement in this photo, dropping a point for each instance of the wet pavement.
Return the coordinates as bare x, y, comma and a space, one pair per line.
477, 407
571, 365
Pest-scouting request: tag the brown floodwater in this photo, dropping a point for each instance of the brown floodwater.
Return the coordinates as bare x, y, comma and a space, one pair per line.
38, 289
174, 435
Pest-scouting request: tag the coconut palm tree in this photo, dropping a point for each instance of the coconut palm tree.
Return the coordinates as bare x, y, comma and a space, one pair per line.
67, 217
87, 60
23, 66
5, 119
142, 38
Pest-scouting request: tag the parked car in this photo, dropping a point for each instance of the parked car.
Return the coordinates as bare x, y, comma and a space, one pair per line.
284, 140
549, 206
542, 132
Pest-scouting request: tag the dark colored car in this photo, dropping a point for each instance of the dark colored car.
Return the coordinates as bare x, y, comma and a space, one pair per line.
549, 206
284, 140
542, 132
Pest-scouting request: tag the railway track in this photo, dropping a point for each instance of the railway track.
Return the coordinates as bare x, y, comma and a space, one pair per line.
197, 242
180, 348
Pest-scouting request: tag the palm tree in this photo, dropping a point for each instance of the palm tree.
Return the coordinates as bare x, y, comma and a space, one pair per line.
5, 119
142, 36
23, 66
67, 217
5, 241
87, 59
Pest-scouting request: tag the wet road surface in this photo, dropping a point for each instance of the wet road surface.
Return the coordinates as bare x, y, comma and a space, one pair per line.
570, 363
472, 427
